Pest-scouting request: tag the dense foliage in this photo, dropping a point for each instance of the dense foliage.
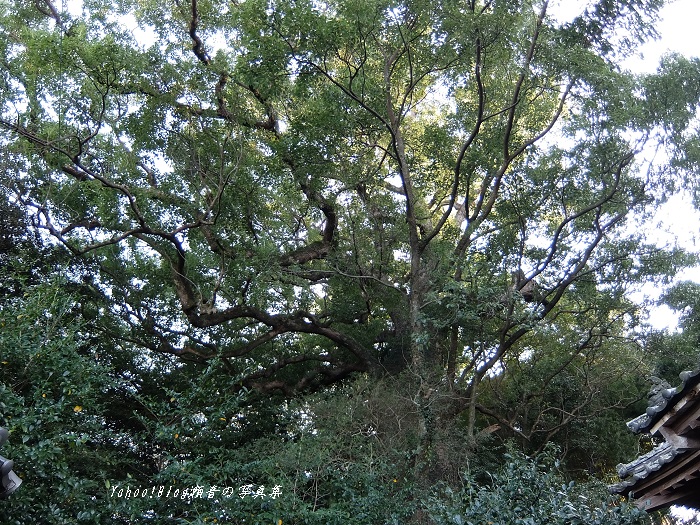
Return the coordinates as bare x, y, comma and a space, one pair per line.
344, 248
528, 491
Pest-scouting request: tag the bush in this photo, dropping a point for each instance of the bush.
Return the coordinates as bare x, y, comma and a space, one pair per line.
530, 491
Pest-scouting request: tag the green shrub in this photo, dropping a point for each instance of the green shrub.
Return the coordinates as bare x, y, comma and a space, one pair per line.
530, 491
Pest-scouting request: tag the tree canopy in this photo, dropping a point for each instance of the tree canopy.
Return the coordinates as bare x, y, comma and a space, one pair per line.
448, 201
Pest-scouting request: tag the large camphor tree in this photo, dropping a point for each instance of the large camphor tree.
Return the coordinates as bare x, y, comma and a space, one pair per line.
453, 197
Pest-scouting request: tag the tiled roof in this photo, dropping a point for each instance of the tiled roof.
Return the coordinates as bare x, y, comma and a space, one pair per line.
661, 400
641, 467
664, 402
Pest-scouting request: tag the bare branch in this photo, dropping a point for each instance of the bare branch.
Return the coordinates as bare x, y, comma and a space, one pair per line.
465, 147
47, 8
197, 44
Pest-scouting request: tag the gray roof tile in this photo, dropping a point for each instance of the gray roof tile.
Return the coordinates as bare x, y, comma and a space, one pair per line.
661, 399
